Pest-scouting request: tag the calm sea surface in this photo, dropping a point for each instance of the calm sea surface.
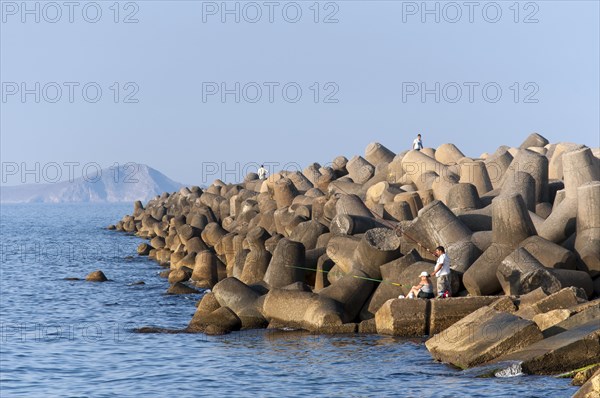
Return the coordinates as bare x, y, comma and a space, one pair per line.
73, 338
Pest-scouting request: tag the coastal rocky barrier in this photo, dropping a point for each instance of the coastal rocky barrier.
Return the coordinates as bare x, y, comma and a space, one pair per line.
330, 248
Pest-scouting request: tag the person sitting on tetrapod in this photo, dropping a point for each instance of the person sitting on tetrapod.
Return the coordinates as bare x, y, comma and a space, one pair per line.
424, 290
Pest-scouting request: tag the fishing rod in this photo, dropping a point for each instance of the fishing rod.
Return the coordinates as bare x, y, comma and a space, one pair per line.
348, 274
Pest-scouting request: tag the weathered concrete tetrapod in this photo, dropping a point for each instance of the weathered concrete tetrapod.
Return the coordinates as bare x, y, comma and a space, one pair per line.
352, 291
482, 336
481, 279
283, 269
463, 196
257, 261
520, 273
579, 167
437, 225
360, 170
352, 205
377, 247
511, 223
587, 242
205, 269
476, 173
448, 154
376, 153
497, 164
284, 192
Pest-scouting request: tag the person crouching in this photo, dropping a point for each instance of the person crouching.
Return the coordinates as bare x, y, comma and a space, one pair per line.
424, 290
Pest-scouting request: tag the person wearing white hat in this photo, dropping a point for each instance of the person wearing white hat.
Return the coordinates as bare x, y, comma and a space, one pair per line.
424, 289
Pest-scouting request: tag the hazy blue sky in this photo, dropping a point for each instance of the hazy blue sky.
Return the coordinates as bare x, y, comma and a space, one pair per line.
367, 58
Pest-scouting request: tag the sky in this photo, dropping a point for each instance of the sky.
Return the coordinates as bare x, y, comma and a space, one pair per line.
202, 90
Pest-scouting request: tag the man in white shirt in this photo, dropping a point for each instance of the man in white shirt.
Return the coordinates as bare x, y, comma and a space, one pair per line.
418, 143
442, 272
262, 172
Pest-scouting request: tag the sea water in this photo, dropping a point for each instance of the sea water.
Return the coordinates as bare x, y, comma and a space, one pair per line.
72, 338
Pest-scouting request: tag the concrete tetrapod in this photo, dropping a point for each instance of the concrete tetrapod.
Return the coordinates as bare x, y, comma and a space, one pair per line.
521, 273
360, 170
587, 242
377, 247
352, 291
476, 173
390, 287
205, 269
304, 310
376, 153
437, 225
481, 337
283, 269
257, 261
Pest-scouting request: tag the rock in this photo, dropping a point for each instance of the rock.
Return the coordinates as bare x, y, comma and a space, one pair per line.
497, 164
481, 337
563, 299
551, 318
445, 313
252, 318
165, 273
343, 224
582, 376
402, 317
324, 266
180, 288
504, 304
96, 276
572, 349
367, 327
591, 389
583, 317
464, 197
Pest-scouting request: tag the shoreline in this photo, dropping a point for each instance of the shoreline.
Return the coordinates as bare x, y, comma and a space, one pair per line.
329, 249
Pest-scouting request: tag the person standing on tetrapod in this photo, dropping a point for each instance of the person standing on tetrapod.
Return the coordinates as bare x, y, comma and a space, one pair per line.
442, 272
417, 143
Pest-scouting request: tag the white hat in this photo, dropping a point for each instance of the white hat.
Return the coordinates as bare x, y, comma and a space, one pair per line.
424, 273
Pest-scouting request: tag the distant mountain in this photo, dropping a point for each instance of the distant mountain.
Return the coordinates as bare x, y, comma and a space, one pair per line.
125, 184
